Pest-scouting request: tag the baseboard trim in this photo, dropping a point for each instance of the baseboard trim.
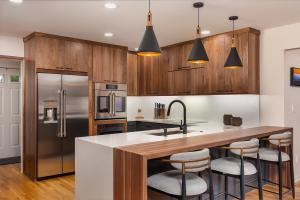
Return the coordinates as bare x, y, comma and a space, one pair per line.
11, 160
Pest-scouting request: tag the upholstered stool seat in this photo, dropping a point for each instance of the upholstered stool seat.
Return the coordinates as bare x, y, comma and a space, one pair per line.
232, 166
271, 155
171, 182
185, 181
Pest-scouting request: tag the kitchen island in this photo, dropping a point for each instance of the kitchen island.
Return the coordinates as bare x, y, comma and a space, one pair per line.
115, 166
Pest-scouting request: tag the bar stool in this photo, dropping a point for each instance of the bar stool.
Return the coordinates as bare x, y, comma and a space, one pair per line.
276, 156
184, 181
237, 167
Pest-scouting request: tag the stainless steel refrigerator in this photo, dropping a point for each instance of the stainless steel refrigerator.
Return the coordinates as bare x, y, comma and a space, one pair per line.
62, 116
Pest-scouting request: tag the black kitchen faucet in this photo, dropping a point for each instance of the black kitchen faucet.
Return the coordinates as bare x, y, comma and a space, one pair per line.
184, 125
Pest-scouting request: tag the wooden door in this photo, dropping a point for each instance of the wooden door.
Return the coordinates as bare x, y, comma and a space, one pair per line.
49, 53
132, 84
102, 63
119, 71
236, 80
77, 56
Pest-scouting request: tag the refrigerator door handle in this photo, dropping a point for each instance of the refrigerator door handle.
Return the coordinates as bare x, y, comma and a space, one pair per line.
60, 131
64, 113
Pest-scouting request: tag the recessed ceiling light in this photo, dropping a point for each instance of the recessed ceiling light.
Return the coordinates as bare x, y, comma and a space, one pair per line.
108, 34
16, 1
205, 32
110, 5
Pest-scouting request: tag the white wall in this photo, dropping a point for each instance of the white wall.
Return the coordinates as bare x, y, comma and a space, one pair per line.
201, 108
291, 101
273, 44
11, 46
276, 95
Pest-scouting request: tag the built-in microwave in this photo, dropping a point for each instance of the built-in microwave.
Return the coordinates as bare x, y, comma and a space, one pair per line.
110, 101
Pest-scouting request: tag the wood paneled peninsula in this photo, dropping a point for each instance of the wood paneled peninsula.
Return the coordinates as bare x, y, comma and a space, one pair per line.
117, 165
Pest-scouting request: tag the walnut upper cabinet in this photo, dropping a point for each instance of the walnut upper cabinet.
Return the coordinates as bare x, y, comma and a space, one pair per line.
78, 56
60, 54
214, 78
132, 71
109, 64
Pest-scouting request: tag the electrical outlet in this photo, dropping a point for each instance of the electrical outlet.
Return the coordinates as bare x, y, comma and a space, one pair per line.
296, 159
293, 108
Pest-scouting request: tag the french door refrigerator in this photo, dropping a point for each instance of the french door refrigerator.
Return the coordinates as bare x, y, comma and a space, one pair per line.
62, 116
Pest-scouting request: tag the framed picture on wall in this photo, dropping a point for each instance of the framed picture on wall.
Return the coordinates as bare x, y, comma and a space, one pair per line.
295, 76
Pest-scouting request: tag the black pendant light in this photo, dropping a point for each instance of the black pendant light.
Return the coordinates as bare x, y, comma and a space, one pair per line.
198, 54
149, 45
233, 61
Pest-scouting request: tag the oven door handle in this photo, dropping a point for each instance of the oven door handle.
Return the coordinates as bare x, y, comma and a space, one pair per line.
114, 103
110, 103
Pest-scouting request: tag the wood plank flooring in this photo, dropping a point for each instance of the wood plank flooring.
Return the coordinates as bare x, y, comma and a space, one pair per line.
16, 186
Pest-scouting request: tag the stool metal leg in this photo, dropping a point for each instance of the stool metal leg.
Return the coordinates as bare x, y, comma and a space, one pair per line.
211, 187
226, 186
292, 172
259, 178
280, 172
242, 180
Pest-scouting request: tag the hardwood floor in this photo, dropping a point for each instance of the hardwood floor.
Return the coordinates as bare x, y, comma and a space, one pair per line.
16, 186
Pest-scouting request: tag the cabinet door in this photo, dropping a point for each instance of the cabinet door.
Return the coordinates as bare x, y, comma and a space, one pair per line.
182, 82
185, 53
78, 56
174, 55
132, 84
163, 73
102, 63
237, 79
119, 72
216, 64
200, 81
49, 53
148, 75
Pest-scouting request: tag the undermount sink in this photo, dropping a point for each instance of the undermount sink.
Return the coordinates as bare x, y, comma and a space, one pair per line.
170, 133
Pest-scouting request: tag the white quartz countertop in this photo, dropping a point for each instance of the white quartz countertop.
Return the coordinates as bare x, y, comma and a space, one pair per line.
131, 138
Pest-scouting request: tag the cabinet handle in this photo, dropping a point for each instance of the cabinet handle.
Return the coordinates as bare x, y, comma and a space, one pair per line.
69, 68
106, 81
115, 81
58, 67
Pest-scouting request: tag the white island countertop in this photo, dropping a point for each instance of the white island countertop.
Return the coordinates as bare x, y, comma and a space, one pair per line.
131, 138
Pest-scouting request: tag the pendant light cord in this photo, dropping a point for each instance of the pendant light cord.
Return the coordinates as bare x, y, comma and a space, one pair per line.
149, 18
198, 27
233, 37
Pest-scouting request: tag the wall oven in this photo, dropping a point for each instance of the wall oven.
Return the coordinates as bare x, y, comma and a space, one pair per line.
110, 101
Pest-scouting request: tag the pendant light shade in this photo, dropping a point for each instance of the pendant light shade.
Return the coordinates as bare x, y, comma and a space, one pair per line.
233, 61
198, 54
149, 45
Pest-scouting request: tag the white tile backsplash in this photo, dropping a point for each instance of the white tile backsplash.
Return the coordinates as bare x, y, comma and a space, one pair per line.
208, 108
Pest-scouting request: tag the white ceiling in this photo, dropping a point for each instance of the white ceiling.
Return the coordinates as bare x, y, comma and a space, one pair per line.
174, 20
